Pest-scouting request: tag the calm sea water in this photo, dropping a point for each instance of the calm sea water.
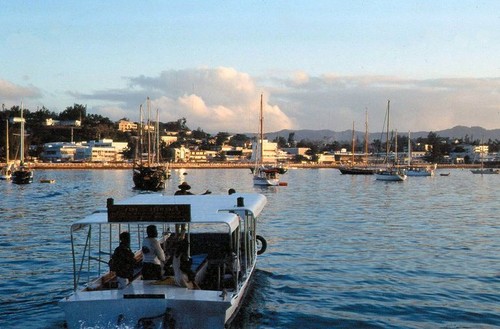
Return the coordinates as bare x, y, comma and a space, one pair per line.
343, 251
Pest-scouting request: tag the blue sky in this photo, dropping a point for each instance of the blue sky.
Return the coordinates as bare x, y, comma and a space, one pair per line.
319, 64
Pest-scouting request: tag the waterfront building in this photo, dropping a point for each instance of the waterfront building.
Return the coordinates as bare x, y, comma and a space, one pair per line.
125, 126
59, 152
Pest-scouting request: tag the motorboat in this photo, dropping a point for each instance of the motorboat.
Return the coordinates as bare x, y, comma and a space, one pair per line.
223, 245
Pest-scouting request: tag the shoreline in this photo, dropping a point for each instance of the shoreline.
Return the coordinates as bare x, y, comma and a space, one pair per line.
128, 166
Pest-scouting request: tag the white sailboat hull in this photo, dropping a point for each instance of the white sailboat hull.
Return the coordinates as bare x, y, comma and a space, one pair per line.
390, 176
262, 181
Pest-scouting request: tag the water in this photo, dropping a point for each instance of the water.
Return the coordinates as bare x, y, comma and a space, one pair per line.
343, 251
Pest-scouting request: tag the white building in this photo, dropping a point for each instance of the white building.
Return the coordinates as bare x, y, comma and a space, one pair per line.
59, 151
93, 151
270, 152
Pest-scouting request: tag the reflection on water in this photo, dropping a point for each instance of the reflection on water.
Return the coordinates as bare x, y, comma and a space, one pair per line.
343, 251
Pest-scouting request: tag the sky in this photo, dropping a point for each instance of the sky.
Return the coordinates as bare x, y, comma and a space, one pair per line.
320, 64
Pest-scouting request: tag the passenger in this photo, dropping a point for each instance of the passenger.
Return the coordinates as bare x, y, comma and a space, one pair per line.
184, 190
123, 262
231, 191
153, 255
183, 275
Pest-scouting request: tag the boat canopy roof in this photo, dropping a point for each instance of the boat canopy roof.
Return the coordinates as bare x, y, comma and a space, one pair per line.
203, 209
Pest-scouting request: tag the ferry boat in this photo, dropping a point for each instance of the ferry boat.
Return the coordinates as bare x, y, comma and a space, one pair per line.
223, 244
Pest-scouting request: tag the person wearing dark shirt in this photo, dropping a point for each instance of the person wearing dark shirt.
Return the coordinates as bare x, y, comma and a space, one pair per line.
123, 261
184, 190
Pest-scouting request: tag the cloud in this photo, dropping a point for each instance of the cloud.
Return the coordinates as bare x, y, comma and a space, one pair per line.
225, 99
217, 99
12, 93
334, 102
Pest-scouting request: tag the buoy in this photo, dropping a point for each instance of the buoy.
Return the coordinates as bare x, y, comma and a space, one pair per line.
283, 184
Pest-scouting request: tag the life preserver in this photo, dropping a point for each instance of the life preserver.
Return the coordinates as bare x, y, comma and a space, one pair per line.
263, 243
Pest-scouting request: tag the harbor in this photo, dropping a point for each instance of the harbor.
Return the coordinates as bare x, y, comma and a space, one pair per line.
417, 254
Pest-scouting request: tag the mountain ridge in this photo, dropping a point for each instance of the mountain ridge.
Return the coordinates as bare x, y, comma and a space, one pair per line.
458, 132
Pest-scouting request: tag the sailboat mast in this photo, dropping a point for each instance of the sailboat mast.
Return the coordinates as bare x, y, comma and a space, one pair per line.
22, 135
409, 149
366, 137
157, 151
352, 161
396, 148
149, 130
141, 141
7, 149
261, 129
387, 132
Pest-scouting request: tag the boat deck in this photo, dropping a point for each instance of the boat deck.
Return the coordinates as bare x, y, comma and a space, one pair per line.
153, 289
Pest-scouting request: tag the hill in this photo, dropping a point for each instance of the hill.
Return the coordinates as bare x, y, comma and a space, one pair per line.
459, 132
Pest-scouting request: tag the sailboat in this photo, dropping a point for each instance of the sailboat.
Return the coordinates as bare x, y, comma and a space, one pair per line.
358, 170
413, 171
263, 175
482, 170
391, 173
6, 171
22, 174
149, 175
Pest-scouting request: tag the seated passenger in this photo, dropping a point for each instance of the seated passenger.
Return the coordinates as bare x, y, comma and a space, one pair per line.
153, 255
123, 262
183, 275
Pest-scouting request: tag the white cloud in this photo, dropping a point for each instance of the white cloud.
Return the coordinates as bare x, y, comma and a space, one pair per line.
12, 93
224, 99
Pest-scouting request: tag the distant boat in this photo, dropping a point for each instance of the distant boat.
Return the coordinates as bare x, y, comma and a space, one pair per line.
444, 174
486, 171
6, 171
48, 181
149, 175
413, 171
358, 170
392, 173
482, 170
262, 174
22, 174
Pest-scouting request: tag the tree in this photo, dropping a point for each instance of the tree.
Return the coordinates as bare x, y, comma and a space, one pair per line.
281, 141
75, 112
239, 140
291, 139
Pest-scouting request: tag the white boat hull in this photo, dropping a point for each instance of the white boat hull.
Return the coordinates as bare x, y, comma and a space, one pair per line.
262, 181
390, 176
223, 277
106, 309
